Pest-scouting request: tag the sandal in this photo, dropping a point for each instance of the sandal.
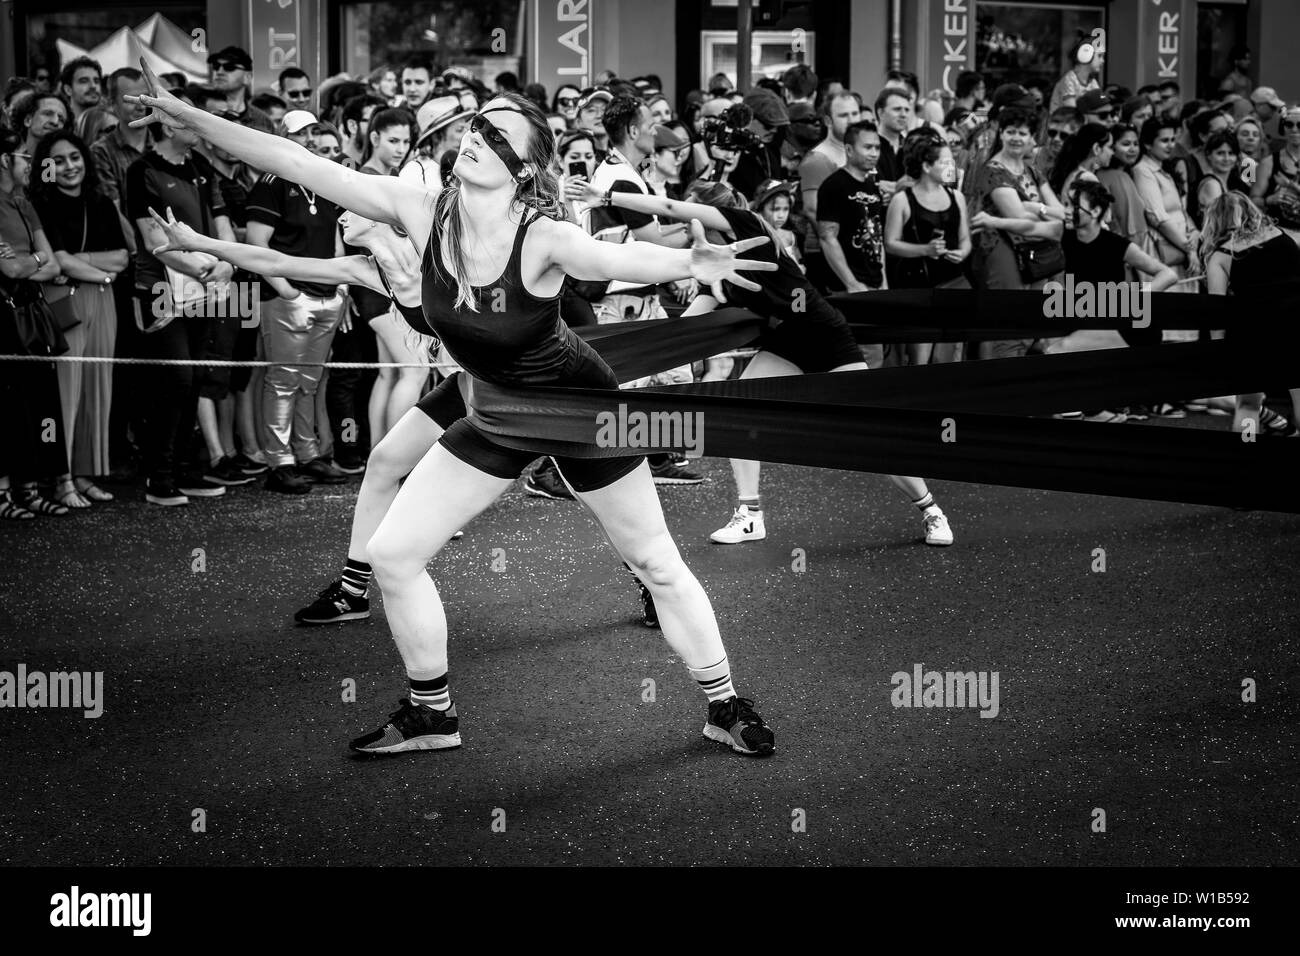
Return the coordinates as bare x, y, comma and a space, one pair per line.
69, 496
31, 500
92, 490
9, 511
1271, 421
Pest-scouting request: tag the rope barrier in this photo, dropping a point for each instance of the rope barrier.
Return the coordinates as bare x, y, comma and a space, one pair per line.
229, 363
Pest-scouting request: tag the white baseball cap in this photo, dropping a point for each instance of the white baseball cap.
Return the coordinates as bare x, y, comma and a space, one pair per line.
295, 121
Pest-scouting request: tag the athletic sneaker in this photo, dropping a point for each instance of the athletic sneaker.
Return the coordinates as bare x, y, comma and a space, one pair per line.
412, 727
937, 531
745, 525
649, 613
163, 493
1106, 415
333, 606
226, 472
286, 481
545, 482
734, 723
200, 488
671, 473
322, 472
350, 464
250, 466
1167, 410
1069, 416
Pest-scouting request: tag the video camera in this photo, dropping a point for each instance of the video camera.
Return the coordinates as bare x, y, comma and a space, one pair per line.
730, 131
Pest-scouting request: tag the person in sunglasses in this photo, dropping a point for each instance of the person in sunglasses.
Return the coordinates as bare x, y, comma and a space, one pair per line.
295, 88
1061, 125
565, 103
494, 236
1277, 182
228, 71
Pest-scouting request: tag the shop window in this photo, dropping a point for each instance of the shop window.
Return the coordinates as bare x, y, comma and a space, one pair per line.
486, 36
773, 52
1029, 44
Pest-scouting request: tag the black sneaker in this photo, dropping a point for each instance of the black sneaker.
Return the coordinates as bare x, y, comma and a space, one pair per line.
196, 487
350, 464
248, 466
734, 723
412, 727
671, 473
286, 481
649, 614
226, 472
163, 493
545, 482
333, 606
321, 472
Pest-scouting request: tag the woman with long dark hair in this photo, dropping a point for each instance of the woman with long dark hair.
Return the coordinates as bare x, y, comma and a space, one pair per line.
1127, 217
1081, 156
493, 236
85, 232
1175, 236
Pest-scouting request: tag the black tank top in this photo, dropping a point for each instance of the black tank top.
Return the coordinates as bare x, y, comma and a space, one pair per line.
524, 343
1267, 264
413, 314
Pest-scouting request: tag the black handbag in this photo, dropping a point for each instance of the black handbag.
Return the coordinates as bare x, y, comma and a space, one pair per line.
29, 326
1038, 259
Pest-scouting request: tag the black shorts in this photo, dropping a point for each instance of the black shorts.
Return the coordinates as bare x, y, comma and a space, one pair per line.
814, 347
446, 406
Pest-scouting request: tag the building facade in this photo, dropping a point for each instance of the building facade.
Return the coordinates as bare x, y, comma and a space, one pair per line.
686, 41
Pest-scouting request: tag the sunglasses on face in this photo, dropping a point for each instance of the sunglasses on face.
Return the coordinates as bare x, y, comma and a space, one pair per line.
221, 66
299, 94
1291, 124
568, 100
1058, 134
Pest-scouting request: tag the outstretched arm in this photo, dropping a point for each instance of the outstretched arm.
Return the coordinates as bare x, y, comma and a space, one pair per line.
385, 198
579, 255
267, 262
582, 191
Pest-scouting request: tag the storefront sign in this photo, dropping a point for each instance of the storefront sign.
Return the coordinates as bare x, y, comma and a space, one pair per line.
1167, 28
561, 37
951, 43
275, 33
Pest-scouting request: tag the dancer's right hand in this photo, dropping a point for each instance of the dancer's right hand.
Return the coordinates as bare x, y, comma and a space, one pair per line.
163, 107
180, 237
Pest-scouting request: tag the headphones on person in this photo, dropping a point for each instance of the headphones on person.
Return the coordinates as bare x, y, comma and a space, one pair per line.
1085, 53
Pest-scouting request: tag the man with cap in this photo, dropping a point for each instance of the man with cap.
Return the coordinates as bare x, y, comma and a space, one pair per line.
769, 122
1096, 107
442, 122
1268, 107
228, 69
591, 116
299, 319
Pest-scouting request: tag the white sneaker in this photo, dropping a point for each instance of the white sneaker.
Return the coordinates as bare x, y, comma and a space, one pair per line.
745, 525
937, 531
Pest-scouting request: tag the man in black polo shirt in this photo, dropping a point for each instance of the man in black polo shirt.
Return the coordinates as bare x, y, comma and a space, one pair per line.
894, 117
173, 177
299, 320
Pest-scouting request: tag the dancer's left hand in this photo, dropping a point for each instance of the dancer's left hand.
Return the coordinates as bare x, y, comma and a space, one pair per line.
712, 265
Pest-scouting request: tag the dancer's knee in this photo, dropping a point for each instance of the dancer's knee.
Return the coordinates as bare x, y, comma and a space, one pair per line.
658, 564
394, 563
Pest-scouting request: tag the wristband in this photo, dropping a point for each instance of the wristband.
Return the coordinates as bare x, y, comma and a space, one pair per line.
608, 197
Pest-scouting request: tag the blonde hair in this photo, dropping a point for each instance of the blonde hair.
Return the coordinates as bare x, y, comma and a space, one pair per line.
540, 192
1230, 218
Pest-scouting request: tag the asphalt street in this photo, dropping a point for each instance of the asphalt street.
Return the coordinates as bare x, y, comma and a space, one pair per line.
1119, 690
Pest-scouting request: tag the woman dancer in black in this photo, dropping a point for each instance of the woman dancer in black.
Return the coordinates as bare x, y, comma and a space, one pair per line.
489, 238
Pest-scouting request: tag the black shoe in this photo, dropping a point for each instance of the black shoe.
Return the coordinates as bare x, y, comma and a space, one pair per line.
412, 727
649, 614
321, 472
734, 723
286, 481
671, 473
163, 493
545, 482
226, 472
196, 487
248, 466
350, 464
333, 606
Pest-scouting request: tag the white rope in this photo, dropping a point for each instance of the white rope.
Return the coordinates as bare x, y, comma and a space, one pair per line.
228, 363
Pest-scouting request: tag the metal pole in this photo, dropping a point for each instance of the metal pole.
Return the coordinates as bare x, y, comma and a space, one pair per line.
896, 35
744, 41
